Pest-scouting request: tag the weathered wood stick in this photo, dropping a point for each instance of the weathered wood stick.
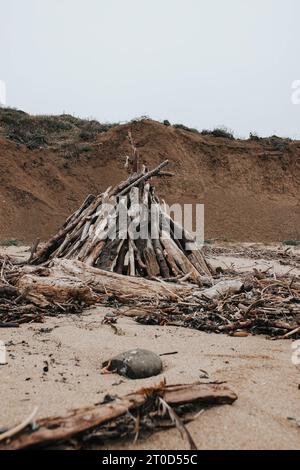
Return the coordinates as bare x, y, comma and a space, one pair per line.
180, 259
55, 429
71, 279
155, 233
145, 177
152, 265
109, 255
121, 258
125, 184
195, 257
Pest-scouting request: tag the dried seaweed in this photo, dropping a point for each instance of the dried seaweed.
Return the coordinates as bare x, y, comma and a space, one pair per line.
264, 306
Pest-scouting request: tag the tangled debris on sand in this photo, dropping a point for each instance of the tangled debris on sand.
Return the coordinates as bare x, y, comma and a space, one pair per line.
263, 306
259, 304
18, 306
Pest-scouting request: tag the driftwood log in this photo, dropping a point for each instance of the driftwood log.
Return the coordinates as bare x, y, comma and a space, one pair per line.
73, 280
56, 429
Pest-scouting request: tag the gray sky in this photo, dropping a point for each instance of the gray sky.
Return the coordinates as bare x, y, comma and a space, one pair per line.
198, 62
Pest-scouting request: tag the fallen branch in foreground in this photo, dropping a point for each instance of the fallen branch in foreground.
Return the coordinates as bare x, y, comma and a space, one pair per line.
126, 416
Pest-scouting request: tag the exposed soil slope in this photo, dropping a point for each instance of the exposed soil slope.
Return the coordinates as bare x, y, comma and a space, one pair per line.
251, 189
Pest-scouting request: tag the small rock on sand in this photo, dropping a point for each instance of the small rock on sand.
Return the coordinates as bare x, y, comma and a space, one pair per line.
136, 364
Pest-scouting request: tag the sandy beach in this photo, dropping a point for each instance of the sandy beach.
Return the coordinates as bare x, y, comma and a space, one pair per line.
259, 370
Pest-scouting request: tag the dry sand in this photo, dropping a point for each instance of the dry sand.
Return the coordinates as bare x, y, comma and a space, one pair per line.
260, 371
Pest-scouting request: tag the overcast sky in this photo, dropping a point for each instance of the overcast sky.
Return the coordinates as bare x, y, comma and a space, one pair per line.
203, 63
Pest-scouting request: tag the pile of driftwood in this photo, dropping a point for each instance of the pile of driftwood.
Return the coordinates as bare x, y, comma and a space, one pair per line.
261, 306
86, 235
144, 411
237, 306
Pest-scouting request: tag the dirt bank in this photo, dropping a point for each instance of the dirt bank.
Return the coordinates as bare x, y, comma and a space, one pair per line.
251, 189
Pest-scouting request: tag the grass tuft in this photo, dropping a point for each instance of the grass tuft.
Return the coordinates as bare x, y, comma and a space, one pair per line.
9, 242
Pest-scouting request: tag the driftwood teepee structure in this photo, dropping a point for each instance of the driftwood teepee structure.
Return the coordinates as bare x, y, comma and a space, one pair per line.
87, 234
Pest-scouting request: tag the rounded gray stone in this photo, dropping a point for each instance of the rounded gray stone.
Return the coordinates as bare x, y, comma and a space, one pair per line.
136, 364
